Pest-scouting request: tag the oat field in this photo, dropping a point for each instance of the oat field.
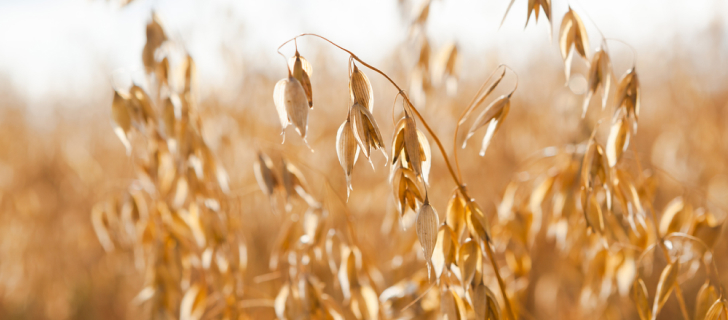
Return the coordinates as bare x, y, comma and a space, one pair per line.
589, 182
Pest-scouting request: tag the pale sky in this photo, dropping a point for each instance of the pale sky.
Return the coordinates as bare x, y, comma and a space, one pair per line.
71, 46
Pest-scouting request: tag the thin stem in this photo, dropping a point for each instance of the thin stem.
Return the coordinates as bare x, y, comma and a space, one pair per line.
711, 275
634, 52
501, 283
394, 104
455, 178
439, 145
666, 252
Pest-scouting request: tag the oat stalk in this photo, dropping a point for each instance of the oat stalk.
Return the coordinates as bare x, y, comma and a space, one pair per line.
455, 177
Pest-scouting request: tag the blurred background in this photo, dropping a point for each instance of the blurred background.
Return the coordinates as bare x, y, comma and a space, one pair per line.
61, 60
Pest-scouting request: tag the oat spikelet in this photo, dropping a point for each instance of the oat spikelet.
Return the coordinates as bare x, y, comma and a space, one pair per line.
279, 99
533, 7
445, 250
292, 105
600, 75
411, 147
265, 174
627, 96
121, 120
302, 71
360, 89
406, 189
347, 150
617, 142
573, 33
194, 302
155, 38
365, 130
492, 117
427, 222
297, 106
717, 310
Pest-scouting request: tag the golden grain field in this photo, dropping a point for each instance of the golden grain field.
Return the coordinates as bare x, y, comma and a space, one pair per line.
591, 184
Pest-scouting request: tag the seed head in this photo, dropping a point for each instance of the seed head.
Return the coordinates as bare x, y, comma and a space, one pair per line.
365, 130
347, 150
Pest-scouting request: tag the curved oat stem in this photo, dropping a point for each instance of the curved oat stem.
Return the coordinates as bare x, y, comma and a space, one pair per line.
455, 178
634, 52
711, 275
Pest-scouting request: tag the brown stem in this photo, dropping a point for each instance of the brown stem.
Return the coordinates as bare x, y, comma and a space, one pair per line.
501, 284
660, 240
455, 178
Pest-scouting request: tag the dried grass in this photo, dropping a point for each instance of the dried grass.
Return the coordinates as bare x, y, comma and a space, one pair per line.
213, 219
